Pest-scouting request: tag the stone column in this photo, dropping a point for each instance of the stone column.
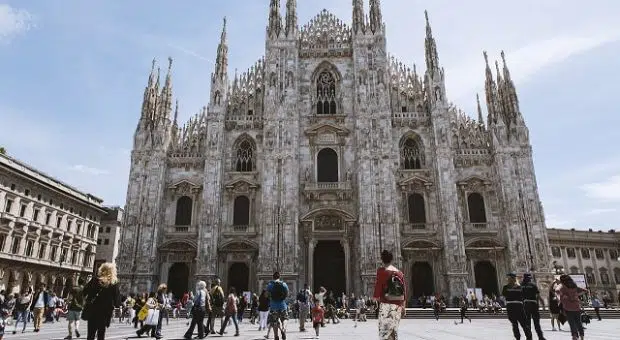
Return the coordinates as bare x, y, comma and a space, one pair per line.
310, 276
347, 264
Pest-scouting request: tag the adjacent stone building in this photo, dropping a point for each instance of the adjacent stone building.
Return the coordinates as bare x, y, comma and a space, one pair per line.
109, 236
592, 253
324, 152
47, 229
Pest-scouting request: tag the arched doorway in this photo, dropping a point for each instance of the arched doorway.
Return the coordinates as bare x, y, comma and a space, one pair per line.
178, 279
423, 282
329, 267
327, 166
239, 277
486, 277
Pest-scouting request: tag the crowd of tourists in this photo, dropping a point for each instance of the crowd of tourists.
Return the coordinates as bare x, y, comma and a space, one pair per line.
99, 300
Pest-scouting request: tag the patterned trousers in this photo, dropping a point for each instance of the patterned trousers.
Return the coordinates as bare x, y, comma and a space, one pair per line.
389, 318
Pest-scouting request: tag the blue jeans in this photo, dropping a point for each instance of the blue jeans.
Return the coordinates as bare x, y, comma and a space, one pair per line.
23, 317
225, 322
574, 321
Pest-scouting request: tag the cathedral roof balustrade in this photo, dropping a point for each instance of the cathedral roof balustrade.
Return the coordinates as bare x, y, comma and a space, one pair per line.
410, 119
244, 122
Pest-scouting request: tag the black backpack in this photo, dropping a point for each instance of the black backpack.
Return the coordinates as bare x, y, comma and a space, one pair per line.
278, 291
395, 288
302, 297
217, 298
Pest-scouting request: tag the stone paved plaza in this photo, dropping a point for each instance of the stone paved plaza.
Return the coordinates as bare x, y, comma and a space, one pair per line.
410, 329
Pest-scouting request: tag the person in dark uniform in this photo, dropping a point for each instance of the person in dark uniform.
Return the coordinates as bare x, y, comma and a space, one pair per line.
514, 307
531, 296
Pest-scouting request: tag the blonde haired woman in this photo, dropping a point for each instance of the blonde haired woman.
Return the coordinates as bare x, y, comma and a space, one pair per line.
102, 296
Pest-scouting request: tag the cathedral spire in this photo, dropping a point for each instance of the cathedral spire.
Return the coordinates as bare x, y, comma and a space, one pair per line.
510, 90
176, 114
291, 18
221, 61
432, 58
166, 93
151, 82
490, 91
480, 119
275, 20
376, 19
151, 96
358, 16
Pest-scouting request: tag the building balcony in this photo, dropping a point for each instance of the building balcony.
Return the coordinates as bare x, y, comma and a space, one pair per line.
471, 228
242, 122
181, 230
328, 191
21, 222
6, 217
242, 229
409, 229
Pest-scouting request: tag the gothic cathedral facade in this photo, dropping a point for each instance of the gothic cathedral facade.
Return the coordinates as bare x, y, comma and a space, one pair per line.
326, 151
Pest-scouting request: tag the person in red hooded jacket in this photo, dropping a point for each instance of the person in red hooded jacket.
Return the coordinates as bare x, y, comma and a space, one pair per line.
390, 292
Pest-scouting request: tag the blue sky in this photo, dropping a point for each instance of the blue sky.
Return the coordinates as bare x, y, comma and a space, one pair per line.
73, 72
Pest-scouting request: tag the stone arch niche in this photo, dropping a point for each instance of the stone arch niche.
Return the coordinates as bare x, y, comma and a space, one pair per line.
177, 263
238, 265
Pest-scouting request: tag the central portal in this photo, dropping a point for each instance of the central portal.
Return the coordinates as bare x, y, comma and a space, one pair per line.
239, 277
178, 279
329, 267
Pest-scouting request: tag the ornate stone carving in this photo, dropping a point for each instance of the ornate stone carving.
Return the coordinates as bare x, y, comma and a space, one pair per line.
328, 223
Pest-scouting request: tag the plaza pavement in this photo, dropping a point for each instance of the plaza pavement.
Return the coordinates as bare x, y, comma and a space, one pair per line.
410, 329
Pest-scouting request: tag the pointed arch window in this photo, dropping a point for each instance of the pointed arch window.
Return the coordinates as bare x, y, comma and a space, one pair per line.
245, 156
410, 156
184, 211
326, 94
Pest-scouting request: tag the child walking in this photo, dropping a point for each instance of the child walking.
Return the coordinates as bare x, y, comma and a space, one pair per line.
318, 317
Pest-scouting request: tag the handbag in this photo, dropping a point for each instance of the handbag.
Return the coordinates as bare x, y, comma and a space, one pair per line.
88, 306
153, 317
143, 313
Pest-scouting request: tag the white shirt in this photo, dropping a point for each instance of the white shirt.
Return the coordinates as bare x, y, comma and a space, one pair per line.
40, 302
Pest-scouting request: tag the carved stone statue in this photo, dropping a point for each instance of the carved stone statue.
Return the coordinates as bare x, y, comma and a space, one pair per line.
307, 175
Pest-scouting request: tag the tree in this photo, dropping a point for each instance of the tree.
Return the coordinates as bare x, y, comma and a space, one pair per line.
2, 150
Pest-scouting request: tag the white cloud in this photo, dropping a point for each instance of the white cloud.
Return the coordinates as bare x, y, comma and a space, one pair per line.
13, 21
526, 61
607, 190
89, 170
